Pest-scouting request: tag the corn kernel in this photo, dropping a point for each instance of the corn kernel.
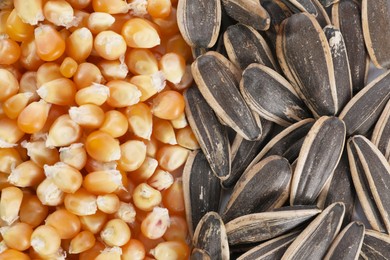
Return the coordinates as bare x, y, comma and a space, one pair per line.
10, 133
133, 250
115, 233
159, 8
17, 29
9, 85
74, 155
81, 203
115, 123
177, 229
30, 11
94, 222
171, 250
108, 203
32, 211
87, 74
45, 240
161, 180
173, 197
126, 212
40, 154
96, 94
26, 174
133, 155
163, 131
113, 69
50, 44
66, 224
140, 33
28, 84
173, 66
141, 62
59, 91
13, 254
110, 45
59, 13
140, 120
102, 182
48, 72
10, 201
68, 67
65, 177
110, 6
145, 171
102, 147
79, 44
49, 194
156, 223
9, 159
33, 117
145, 197
99, 21
9, 51
82, 242
87, 116
122, 94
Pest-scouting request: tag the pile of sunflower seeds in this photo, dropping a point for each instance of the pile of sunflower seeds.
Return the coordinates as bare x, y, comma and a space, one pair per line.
290, 127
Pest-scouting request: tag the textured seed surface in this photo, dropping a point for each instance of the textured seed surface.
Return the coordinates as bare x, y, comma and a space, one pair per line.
381, 134
314, 8
199, 254
375, 246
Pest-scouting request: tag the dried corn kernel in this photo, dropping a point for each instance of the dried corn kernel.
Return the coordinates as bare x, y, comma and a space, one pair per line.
45, 240
65, 223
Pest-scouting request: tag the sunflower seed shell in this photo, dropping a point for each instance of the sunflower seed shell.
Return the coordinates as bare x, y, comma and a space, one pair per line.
381, 135
375, 246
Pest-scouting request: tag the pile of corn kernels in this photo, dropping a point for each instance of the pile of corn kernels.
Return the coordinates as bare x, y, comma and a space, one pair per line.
93, 135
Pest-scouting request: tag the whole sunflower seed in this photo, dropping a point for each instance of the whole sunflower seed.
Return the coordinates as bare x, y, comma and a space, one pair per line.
371, 177
381, 135
375, 246
364, 109
348, 243
248, 12
264, 187
312, 7
210, 235
260, 84
201, 189
305, 58
317, 160
218, 79
376, 24
341, 67
346, 16
199, 254
244, 151
316, 238
199, 21
266, 225
327, 3
272, 249
211, 135
256, 48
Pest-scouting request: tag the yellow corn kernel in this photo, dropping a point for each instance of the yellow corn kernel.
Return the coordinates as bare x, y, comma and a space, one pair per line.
45, 240
110, 6
141, 61
145, 197
10, 201
32, 211
99, 21
13, 254
140, 120
28, 57
60, 91
115, 123
65, 177
93, 252
49, 194
63, 132
171, 250
115, 233
15, 104
126, 212
26, 174
80, 4
95, 165
81, 203
140, 33
28, 84
173, 197
9, 85
66, 224
187, 139
168, 105
168, 25
81, 20
163, 131
10, 133
87, 116
171, 157
9, 51
17, 29
133, 250
9, 159
47, 72
122, 94
133, 154
186, 80
4, 181
79, 44
149, 85
40, 153
94, 222
68, 67
59, 13
33, 117
96, 94
102, 182
156, 223
102, 147
110, 45
50, 44
30, 11
110, 253
82, 242
180, 122
87, 74
177, 229
125, 195
161, 180
173, 66
74, 155
113, 69
145, 171
178, 45
159, 8
108, 203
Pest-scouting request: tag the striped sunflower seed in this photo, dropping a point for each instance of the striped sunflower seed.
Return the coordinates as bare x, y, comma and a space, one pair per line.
371, 177
260, 84
317, 160
316, 238
272, 249
381, 134
266, 225
199, 22
305, 58
211, 135
199, 254
244, 151
348, 243
312, 7
256, 48
327, 3
346, 16
376, 25
201, 189
364, 109
210, 235
265, 186
375, 246
218, 79
249, 12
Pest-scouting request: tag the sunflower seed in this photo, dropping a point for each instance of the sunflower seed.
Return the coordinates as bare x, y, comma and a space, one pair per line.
199, 254
218, 80
376, 25
327, 3
312, 7
244, 151
348, 243
305, 58
248, 12
364, 109
211, 135
263, 226
256, 48
272, 249
340, 64
264, 187
210, 235
199, 21
371, 177
201, 189
260, 84
375, 246
317, 160
346, 16
316, 238
381, 135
